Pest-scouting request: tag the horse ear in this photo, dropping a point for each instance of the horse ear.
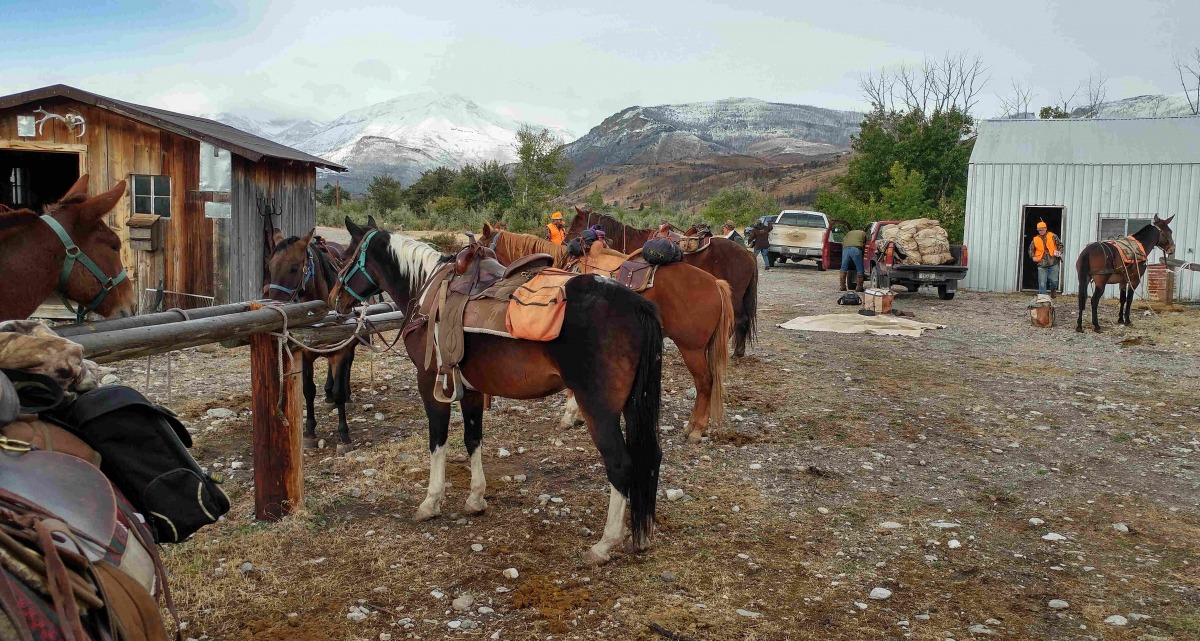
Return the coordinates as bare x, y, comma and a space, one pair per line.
487, 229
371, 222
1168, 221
308, 237
278, 237
355, 230
78, 191
91, 211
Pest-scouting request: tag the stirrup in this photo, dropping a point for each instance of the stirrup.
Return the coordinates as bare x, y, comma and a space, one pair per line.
448, 378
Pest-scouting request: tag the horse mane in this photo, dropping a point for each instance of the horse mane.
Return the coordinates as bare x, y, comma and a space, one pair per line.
417, 259
12, 219
515, 244
1148, 236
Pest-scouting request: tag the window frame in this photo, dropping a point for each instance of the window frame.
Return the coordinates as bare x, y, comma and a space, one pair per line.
134, 194
18, 182
1101, 218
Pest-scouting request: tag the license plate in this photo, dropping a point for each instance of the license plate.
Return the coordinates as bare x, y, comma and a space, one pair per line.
927, 276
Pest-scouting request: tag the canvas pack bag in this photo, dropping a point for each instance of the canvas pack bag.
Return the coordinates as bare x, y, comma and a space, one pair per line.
143, 449
661, 251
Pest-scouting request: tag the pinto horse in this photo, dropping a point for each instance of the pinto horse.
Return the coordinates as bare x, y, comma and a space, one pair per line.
68, 249
724, 259
696, 312
301, 272
1102, 263
609, 353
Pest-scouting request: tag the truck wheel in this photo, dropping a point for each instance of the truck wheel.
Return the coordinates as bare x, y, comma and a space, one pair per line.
913, 288
781, 260
773, 257
820, 265
943, 294
880, 279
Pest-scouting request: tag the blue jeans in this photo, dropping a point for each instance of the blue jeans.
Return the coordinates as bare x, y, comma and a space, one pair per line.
1047, 279
765, 257
852, 255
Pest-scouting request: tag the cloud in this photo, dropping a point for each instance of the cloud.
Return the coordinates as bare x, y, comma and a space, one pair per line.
375, 69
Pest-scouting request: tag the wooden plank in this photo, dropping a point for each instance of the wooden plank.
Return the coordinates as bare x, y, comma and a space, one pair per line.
136, 342
278, 453
330, 334
146, 320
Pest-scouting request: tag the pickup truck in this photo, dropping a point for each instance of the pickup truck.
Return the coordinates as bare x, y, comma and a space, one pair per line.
806, 235
885, 269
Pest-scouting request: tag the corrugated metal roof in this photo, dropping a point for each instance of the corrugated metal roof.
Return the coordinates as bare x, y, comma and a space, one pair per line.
235, 140
1115, 141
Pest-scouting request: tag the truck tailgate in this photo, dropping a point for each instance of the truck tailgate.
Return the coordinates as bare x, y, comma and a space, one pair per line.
793, 236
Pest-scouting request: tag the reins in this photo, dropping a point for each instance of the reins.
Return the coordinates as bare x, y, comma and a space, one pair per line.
73, 253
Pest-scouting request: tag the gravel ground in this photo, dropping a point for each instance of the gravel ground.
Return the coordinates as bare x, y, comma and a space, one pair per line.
958, 485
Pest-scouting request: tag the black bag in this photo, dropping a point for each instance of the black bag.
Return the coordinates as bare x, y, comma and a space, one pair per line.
850, 298
661, 251
143, 449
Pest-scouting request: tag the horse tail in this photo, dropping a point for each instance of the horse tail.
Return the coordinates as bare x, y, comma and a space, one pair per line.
1083, 270
641, 424
747, 325
718, 355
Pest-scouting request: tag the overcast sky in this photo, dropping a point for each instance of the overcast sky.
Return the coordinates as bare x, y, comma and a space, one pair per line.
569, 63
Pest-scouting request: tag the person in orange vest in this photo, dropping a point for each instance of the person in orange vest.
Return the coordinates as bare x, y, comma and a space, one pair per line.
556, 230
1046, 251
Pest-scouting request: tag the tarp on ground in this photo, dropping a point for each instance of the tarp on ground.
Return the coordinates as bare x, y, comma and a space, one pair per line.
882, 325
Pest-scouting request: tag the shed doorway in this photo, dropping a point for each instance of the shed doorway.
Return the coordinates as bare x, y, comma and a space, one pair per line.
1027, 277
34, 179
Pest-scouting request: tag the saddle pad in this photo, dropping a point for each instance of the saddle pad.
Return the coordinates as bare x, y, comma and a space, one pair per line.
692, 244
486, 316
636, 275
537, 308
1130, 249
70, 488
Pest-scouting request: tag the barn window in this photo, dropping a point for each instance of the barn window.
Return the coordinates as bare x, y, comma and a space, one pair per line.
18, 179
1120, 225
152, 195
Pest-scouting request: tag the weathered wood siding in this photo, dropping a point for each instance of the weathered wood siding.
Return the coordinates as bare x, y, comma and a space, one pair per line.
200, 256
293, 186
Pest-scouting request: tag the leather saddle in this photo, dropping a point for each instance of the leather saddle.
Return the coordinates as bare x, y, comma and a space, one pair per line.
475, 269
68, 488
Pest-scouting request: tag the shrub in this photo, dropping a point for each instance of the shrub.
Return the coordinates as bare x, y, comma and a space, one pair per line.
445, 243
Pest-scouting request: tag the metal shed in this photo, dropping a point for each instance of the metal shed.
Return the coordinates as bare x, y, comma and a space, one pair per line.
1091, 178
203, 186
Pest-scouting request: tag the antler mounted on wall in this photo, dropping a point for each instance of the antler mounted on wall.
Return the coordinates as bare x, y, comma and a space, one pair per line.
71, 120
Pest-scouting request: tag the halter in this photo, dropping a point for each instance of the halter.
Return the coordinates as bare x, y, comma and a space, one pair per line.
495, 237
360, 265
308, 276
75, 254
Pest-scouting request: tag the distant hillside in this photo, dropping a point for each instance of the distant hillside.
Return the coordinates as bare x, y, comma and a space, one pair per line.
1147, 107
737, 126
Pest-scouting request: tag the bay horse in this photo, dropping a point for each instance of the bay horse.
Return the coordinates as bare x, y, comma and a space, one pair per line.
609, 353
724, 259
1102, 264
696, 311
68, 249
301, 272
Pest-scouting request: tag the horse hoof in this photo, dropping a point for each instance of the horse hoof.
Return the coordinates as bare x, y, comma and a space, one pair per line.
592, 558
694, 437
1079, 329
426, 513
310, 442
474, 507
342, 448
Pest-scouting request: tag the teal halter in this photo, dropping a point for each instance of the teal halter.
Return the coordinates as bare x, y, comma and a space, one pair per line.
76, 254
360, 265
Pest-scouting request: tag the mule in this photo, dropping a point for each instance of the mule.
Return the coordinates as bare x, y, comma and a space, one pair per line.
68, 249
300, 271
1102, 264
609, 353
696, 311
724, 259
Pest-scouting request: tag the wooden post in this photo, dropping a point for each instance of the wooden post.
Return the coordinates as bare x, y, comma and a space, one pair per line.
337, 195
278, 456
1170, 282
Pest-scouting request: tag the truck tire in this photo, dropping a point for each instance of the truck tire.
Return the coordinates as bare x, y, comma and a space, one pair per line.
773, 257
781, 260
912, 287
820, 265
880, 279
943, 294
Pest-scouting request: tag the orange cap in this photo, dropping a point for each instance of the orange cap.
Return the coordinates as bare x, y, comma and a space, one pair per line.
1041, 224
556, 215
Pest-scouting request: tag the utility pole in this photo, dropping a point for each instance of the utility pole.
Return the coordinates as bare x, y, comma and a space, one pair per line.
337, 195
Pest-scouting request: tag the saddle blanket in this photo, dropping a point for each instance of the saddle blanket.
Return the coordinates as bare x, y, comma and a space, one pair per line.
694, 244
1130, 249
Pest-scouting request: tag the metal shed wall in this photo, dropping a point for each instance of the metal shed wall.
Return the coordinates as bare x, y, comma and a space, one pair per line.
996, 193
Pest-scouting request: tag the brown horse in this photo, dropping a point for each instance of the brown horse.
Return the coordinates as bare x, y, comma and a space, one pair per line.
696, 312
724, 259
34, 253
1102, 264
608, 352
300, 271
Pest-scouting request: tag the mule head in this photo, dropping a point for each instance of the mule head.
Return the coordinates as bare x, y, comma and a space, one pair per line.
83, 218
1165, 239
291, 276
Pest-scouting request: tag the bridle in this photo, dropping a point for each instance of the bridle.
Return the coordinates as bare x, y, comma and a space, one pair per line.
75, 254
360, 265
495, 237
308, 276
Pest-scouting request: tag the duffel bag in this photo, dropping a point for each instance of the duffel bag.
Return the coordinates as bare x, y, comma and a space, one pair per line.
144, 453
661, 251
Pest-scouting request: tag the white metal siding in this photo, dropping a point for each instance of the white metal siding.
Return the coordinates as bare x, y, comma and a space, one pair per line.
996, 193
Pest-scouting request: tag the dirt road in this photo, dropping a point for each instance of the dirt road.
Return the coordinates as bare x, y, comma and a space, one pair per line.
985, 480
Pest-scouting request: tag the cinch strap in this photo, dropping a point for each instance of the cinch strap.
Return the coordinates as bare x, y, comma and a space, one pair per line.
73, 254
295, 293
361, 265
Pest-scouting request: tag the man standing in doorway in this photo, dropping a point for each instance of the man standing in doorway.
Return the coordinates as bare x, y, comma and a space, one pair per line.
1047, 253
760, 240
556, 231
852, 256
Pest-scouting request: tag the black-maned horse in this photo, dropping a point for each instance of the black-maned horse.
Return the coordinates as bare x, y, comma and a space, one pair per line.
1102, 264
302, 272
609, 353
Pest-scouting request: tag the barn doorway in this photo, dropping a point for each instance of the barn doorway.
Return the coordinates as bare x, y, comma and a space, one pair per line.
1030, 216
33, 179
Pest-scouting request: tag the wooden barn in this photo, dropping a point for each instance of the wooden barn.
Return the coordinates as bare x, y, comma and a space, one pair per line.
199, 192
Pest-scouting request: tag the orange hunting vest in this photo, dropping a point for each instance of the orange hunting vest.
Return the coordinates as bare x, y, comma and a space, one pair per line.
557, 236
1039, 249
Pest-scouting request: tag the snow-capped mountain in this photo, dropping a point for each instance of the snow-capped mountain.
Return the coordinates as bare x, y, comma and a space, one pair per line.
1148, 107
285, 131
664, 133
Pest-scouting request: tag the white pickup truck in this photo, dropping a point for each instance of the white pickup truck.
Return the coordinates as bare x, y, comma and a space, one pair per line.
803, 235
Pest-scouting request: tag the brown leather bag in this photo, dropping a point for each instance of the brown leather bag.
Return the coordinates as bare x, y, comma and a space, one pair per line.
49, 437
137, 615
